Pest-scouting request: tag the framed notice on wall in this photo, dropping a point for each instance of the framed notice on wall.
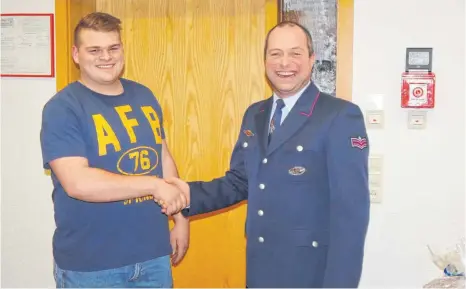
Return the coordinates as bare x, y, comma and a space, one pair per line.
27, 45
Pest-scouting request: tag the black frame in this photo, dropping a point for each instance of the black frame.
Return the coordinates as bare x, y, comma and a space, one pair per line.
409, 67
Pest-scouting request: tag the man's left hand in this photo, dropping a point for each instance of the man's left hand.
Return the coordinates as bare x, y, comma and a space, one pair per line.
179, 238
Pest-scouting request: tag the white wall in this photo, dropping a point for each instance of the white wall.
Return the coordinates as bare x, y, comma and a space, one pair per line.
27, 211
423, 199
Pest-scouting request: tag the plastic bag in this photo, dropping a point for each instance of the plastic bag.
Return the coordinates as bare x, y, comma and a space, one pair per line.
452, 262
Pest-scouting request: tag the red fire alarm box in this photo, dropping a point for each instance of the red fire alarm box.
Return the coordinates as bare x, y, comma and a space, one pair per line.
418, 89
418, 80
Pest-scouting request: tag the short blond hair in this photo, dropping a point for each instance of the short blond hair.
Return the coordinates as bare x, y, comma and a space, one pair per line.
97, 21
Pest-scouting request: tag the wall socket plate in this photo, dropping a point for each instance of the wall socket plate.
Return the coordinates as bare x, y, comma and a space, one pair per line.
375, 177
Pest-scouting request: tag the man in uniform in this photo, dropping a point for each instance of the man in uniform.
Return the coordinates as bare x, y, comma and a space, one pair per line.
104, 141
301, 161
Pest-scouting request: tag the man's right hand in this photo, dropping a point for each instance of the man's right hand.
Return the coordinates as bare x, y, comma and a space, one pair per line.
181, 185
170, 198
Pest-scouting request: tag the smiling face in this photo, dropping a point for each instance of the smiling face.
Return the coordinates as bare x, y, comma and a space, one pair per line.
100, 57
288, 62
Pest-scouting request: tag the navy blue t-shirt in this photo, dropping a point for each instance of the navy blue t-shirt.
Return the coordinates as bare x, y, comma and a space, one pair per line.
121, 134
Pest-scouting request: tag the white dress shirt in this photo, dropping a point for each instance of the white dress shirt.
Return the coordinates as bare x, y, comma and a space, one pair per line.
289, 103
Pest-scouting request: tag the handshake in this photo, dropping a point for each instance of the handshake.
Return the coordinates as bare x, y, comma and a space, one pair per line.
173, 195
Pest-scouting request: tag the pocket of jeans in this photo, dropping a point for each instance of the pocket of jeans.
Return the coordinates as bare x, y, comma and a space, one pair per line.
156, 273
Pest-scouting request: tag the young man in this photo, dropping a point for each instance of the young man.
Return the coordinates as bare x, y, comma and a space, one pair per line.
104, 141
301, 162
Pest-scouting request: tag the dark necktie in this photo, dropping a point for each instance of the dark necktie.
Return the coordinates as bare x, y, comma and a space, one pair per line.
276, 118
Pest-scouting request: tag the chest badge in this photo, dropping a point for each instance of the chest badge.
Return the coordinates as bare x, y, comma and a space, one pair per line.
248, 132
296, 171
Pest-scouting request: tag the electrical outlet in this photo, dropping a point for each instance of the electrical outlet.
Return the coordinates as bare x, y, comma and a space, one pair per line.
376, 194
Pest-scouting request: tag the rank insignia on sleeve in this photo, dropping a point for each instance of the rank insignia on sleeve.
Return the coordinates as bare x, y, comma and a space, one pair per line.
359, 142
248, 132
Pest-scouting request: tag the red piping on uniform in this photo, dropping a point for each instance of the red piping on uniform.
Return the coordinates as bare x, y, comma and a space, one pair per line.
312, 106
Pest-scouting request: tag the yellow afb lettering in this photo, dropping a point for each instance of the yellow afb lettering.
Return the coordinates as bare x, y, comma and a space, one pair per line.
154, 122
105, 135
128, 123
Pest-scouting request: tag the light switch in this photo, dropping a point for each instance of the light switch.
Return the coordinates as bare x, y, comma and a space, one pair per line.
374, 119
375, 164
375, 180
417, 119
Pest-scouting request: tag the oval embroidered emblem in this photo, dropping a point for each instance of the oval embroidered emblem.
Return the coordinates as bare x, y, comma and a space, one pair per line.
296, 171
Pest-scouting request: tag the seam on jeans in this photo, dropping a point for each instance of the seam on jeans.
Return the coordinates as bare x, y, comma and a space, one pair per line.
62, 279
137, 270
59, 276
55, 272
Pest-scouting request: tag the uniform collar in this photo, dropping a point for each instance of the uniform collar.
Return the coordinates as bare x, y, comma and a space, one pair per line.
291, 100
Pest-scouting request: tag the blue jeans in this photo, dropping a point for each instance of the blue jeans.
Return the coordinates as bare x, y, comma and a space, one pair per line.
154, 273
